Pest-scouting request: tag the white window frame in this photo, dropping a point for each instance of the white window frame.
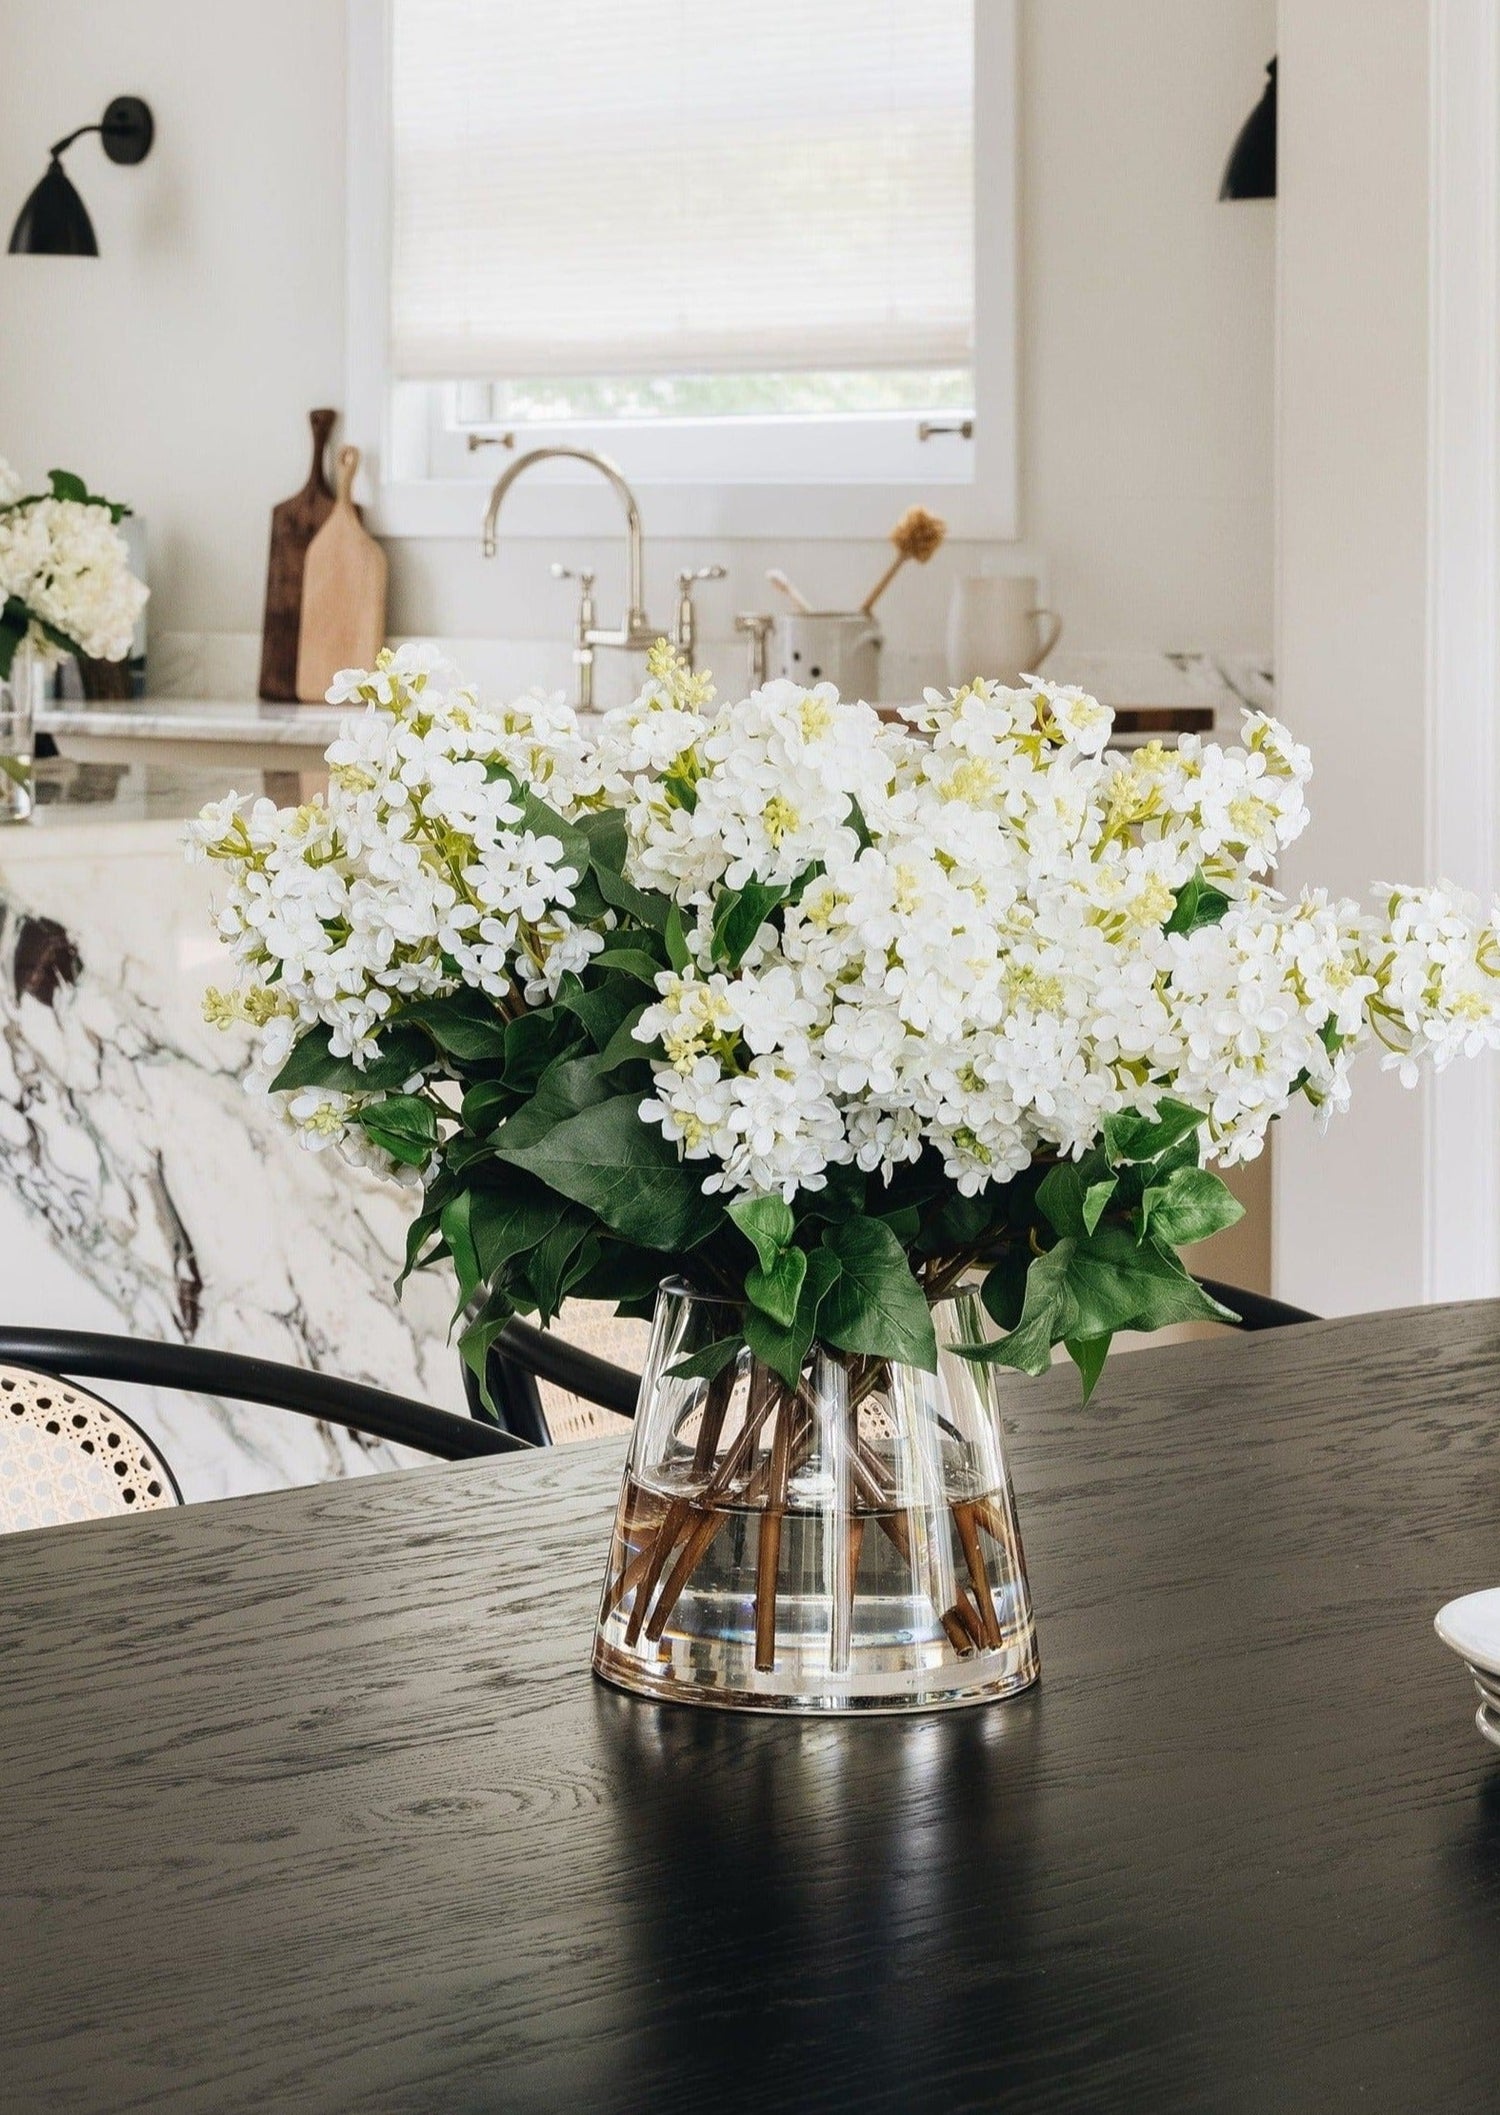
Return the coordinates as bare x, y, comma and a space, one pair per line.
866, 470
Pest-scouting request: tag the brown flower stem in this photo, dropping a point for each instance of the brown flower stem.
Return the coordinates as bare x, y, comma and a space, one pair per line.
691, 1556
711, 1424
968, 1615
653, 1559
992, 1522
631, 1569
969, 1535
957, 1635
768, 1550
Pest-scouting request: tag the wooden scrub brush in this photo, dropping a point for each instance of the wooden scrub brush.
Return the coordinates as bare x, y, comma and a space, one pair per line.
916, 535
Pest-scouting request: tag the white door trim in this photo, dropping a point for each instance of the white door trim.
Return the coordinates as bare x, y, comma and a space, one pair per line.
1461, 1246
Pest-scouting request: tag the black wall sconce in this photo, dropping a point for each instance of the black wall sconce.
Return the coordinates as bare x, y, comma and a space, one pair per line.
54, 222
1250, 171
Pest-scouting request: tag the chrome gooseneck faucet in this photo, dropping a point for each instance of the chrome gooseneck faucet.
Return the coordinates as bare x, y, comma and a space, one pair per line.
636, 633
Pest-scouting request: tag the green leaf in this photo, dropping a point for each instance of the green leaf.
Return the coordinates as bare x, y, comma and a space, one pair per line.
621, 1272
805, 880
1004, 1289
855, 821
1049, 1314
647, 907
623, 1170
474, 1344
465, 1026
1073, 1200
904, 1224
403, 1051
1189, 1206
403, 1125
11, 635
558, 1261
601, 1010
535, 1041
676, 938
486, 1104
623, 1044
776, 1291
1088, 1355
739, 915
1132, 1137
875, 1305
509, 1222
418, 1235
785, 1350
1117, 1282
766, 1223
456, 1232
705, 1364
607, 836
1198, 903
67, 484
631, 962
959, 1223
565, 1088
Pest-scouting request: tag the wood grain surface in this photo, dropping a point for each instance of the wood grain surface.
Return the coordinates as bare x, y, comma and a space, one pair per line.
294, 523
308, 1802
343, 593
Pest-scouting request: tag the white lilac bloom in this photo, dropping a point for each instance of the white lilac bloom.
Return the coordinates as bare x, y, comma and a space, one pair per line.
981, 932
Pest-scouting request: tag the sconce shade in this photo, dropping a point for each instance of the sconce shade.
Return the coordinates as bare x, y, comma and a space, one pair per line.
54, 222
1250, 171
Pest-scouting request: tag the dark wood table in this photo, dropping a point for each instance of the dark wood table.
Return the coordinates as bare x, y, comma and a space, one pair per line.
309, 1802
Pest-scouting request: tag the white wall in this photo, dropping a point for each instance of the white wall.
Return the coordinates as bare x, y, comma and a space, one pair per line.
174, 369
1352, 577
177, 368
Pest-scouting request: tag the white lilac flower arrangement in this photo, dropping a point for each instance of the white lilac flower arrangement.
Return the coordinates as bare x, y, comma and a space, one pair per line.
65, 581
809, 1009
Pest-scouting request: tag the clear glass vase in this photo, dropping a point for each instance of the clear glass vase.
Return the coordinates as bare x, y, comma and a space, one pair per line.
22, 694
847, 1545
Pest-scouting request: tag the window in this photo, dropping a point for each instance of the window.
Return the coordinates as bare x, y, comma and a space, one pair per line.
733, 242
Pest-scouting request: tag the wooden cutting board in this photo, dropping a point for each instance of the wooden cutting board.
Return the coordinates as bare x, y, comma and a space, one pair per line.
343, 594
293, 525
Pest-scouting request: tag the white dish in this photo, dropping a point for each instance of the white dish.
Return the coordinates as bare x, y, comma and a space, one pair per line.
1471, 1628
1488, 1686
1488, 1723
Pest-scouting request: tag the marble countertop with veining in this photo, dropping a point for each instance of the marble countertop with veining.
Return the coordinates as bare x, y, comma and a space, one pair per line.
197, 720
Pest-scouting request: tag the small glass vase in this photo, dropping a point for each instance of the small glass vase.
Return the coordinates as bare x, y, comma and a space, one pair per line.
22, 694
847, 1545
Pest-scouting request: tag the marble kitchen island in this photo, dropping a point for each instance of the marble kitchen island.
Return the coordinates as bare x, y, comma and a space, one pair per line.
142, 1190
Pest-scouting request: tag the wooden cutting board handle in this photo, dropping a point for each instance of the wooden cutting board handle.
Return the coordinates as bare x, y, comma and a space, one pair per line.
343, 593
294, 523
322, 424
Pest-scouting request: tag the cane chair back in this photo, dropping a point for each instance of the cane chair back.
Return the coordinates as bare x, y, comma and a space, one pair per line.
65, 1455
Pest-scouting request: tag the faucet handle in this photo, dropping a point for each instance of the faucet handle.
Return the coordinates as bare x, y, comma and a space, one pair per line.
685, 580
565, 572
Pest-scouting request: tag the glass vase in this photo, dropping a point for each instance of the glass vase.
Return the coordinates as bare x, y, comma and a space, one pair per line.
22, 693
846, 1545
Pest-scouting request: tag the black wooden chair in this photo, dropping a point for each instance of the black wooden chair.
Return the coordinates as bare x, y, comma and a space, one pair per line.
65, 1454
524, 1361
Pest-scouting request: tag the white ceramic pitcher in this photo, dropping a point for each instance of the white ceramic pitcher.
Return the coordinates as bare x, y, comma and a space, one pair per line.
997, 627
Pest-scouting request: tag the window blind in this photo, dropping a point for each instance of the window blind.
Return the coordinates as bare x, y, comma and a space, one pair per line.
588, 187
